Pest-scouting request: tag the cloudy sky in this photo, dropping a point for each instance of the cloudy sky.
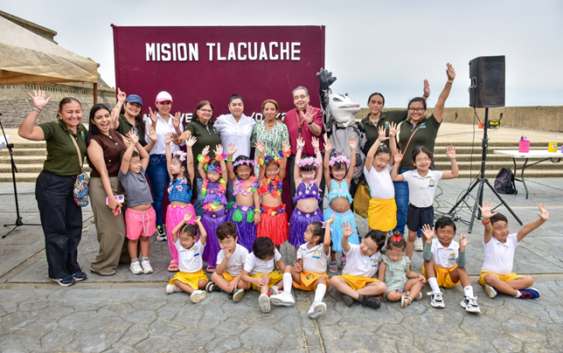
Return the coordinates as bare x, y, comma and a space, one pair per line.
385, 46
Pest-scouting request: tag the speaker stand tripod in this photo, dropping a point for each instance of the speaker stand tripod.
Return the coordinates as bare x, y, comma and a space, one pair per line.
481, 181
19, 221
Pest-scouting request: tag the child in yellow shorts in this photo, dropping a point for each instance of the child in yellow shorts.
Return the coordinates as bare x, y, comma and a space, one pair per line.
191, 278
309, 272
444, 263
356, 282
230, 263
500, 246
259, 271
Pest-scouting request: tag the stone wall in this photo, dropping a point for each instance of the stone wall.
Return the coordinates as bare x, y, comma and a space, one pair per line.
15, 103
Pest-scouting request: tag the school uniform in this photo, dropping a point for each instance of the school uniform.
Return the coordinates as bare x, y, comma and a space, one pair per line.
235, 263
499, 259
314, 266
360, 269
444, 262
257, 267
421, 197
190, 265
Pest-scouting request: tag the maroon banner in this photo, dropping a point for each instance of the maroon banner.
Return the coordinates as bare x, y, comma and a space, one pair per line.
213, 63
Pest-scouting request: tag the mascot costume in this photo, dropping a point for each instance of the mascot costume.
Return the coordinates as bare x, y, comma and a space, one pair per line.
339, 118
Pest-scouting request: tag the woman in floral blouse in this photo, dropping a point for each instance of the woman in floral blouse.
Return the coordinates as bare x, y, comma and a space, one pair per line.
271, 131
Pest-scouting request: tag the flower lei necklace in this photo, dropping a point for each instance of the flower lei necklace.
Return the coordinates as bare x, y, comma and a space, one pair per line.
221, 189
242, 188
274, 186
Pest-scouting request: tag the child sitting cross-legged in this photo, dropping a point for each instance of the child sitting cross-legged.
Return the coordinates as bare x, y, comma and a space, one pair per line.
230, 262
444, 263
402, 283
259, 270
309, 272
191, 278
356, 282
500, 245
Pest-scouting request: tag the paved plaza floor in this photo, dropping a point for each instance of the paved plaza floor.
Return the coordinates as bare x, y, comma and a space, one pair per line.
128, 313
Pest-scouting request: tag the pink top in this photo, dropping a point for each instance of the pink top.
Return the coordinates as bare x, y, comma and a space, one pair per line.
293, 127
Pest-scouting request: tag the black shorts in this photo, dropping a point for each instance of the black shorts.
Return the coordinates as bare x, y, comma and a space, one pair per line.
419, 216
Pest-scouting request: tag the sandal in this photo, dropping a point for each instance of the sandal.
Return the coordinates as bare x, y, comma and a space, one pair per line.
332, 267
343, 261
173, 267
418, 296
210, 269
404, 302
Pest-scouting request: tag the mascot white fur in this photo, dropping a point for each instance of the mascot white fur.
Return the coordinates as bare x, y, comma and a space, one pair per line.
339, 118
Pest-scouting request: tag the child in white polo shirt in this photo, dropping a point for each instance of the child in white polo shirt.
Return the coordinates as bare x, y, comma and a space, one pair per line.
259, 270
228, 274
423, 182
191, 278
444, 263
500, 245
309, 272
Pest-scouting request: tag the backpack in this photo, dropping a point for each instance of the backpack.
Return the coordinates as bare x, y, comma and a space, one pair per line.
504, 182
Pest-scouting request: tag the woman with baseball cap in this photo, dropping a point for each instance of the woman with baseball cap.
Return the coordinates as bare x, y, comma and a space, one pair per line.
163, 123
127, 115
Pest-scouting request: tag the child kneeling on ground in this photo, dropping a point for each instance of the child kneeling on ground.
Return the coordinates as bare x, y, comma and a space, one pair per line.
191, 278
444, 263
230, 263
309, 272
356, 282
500, 245
259, 270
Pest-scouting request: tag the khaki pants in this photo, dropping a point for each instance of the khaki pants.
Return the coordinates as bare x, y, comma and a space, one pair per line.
111, 230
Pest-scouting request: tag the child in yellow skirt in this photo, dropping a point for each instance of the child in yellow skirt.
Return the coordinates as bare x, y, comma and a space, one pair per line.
382, 210
356, 282
191, 278
444, 263
259, 270
309, 272
500, 245
230, 263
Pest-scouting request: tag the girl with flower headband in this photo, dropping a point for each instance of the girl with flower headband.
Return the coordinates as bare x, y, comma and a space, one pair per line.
341, 170
307, 177
213, 193
180, 166
245, 212
273, 220
402, 284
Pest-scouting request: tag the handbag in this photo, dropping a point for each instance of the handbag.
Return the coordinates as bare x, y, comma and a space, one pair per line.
81, 185
361, 199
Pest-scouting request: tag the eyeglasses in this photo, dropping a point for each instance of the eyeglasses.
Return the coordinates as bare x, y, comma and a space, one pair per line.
416, 109
206, 110
301, 96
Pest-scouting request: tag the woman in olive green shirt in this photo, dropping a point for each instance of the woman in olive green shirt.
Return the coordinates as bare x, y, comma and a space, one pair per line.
61, 218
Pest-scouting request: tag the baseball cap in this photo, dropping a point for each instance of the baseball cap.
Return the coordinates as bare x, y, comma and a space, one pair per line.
133, 98
164, 97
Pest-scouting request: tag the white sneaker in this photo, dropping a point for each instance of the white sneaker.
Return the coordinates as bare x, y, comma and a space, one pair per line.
316, 310
136, 268
171, 288
264, 302
437, 301
491, 292
275, 290
418, 245
470, 304
197, 296
146, 265
282, 299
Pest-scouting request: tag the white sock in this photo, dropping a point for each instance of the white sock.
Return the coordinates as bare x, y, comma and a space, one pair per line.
468, 291
134, 260
320, 293
434, 285
518, 294
287, 282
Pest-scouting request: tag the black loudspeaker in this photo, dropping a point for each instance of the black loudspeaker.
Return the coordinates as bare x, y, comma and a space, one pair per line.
487, 82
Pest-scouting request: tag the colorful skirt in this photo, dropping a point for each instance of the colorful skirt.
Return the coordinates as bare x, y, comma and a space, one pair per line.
174, 215
382, 214
243, 219
273, 224
211, 221
298, 225
336, 228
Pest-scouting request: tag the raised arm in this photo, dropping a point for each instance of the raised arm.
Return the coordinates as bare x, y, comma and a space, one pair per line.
189, 144
371, 153
231, 150
151, 133
300, 147
352, 143
27, 129
528, 228
392, 141
202, 231
450, 152
117, 109
203, 159
261, 148
167, 142
187, 217
486, 214
326, 240
220, 156
319, 156
346, 233
286, 150
395, 176
439, 108
328, 149
126, 158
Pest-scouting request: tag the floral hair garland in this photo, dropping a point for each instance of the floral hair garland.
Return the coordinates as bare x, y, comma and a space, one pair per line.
308, 161
338, 159
277, 159
180, 155
248, 162
205, 160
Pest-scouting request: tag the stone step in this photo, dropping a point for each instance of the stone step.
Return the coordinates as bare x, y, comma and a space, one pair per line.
25, 152
478, 149
30, 144
477, 157
23, 159
496, 165
28, 168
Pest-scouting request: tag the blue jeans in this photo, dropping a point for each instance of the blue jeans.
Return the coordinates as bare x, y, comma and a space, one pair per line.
197, 203
159, 178
402, 201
